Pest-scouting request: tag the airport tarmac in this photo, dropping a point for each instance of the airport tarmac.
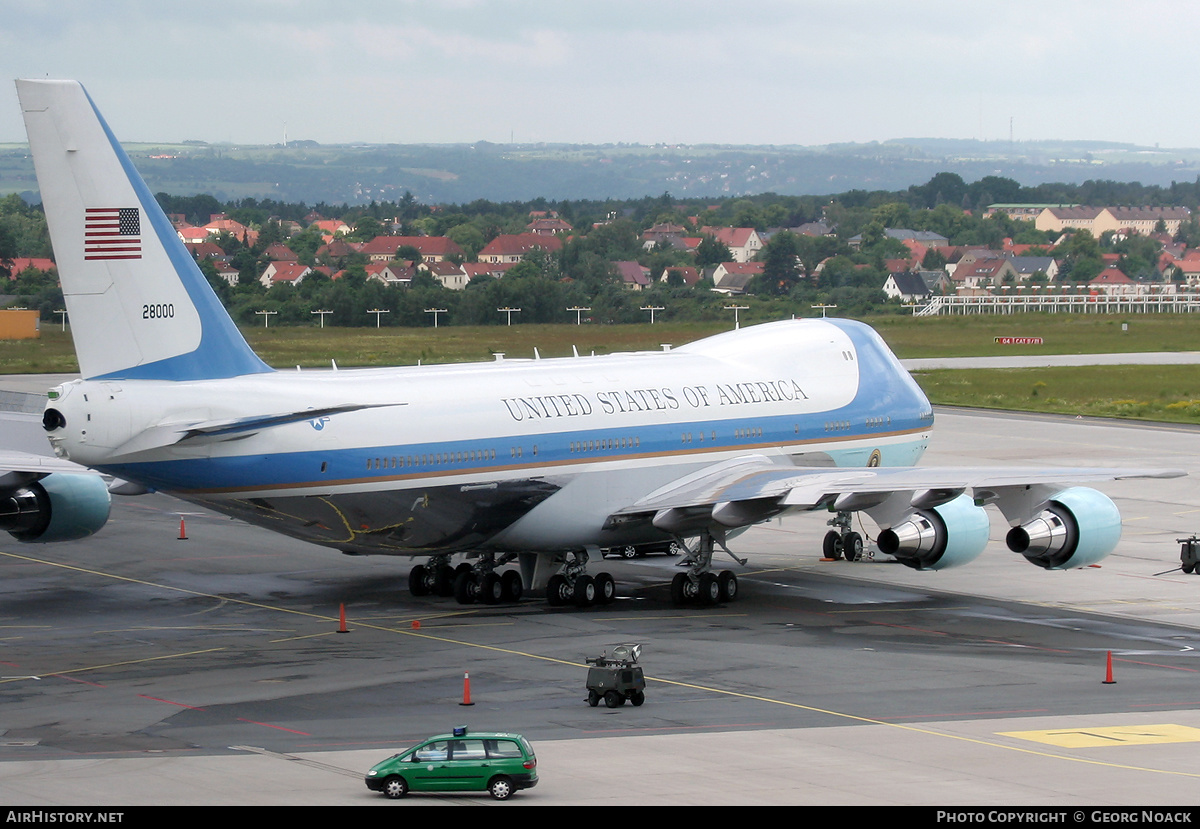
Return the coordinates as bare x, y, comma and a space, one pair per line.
138, 668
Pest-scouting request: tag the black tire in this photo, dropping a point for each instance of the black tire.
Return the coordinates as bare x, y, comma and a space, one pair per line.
395, 787
636, 698
727, 584
501, 788
443, 582
831, 547
606, 588
710, 589
557, 591
1187, 568
629, 551
678, 589
465, 588
612, 699
852, 546
512, 585
492, 589
584, 594
418, 580
593, 698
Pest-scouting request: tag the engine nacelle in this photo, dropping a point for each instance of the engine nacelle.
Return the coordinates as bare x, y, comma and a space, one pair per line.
952, 534
59, 507
1078, 527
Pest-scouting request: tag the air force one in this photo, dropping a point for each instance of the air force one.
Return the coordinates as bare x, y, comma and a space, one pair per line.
542, 463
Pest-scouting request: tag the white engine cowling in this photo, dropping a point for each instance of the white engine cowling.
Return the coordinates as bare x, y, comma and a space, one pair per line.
1078, 526
59, 507
949, 535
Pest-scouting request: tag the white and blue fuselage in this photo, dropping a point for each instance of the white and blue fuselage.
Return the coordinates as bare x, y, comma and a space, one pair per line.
513, 454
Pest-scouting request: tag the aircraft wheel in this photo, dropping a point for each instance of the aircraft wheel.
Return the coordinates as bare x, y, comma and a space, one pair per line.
727, 583
852, 546
584, 594
710, 590
606, 588
443, 582
466, 590
832, 546
512, 586
418, 580
558, 591
492, 589
679, 586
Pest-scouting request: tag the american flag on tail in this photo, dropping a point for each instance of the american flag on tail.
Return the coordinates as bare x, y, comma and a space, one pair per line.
112, 233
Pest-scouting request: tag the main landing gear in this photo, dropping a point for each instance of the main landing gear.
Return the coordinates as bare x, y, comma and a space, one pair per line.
572, 584
699, 584
842, 541
467, 583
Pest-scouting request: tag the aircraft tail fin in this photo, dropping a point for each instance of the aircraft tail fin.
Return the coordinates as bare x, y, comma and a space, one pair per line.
138, 304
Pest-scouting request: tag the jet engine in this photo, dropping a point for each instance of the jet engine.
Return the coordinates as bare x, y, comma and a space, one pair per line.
1076, 527
59, 507
948, 535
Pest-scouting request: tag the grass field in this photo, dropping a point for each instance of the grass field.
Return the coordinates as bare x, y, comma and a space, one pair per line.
1170, 393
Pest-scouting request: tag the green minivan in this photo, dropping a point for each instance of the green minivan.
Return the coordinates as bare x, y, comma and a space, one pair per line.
498, 763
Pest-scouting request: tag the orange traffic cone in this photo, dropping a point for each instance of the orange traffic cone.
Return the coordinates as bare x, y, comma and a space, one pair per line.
342, 619
1108, 679
466, 689
182, 531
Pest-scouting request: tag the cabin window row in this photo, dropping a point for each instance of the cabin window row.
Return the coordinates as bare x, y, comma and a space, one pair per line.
431, 459
605, 444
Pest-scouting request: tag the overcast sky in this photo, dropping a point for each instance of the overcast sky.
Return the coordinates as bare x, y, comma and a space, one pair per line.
675, 71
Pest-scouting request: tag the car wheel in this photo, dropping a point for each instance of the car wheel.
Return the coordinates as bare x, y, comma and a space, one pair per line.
606, 588
395, 787
636, 698
501, 788
629, 551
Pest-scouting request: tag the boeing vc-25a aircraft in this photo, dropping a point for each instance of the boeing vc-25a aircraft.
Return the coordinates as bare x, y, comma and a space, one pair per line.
540, 462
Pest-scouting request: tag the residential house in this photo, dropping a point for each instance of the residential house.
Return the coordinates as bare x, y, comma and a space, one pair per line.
744, 243
633, 276
514, 248
906, 287
277, 273
733, 277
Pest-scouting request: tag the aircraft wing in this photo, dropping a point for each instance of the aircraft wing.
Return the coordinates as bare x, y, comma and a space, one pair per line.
20, 468
750, 489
